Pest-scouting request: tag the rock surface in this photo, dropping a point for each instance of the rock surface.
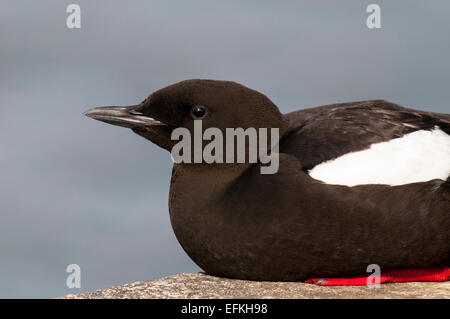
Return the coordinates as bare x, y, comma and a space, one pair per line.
200, 285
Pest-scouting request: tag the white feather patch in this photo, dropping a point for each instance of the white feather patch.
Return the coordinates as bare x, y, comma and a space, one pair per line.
415, 157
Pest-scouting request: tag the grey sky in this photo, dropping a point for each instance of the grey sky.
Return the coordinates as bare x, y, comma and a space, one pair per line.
73, 190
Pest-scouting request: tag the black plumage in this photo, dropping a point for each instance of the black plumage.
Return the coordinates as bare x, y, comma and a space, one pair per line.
235, 222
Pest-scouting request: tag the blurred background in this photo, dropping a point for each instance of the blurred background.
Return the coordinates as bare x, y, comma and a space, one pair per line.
77, 191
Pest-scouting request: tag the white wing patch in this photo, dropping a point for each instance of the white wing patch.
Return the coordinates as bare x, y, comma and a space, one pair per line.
415, 157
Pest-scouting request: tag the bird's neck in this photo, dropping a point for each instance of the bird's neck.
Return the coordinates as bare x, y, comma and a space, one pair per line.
212, 177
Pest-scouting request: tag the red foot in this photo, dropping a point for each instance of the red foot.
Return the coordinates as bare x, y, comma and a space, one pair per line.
393, 275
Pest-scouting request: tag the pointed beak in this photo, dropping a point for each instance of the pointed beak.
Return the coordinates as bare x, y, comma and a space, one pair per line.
125, 116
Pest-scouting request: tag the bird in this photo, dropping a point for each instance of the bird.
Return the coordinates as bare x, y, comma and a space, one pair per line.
358, 183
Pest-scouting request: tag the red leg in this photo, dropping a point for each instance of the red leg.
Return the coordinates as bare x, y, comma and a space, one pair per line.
393, 275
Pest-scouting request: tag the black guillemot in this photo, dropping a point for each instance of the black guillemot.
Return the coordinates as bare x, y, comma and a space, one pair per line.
358, 183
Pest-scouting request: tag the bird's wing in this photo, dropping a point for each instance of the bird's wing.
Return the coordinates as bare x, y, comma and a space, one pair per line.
323, 133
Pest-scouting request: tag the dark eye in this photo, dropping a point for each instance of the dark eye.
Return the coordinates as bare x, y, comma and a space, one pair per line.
198, 111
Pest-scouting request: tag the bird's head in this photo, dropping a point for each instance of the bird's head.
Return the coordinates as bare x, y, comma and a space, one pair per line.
218, 104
